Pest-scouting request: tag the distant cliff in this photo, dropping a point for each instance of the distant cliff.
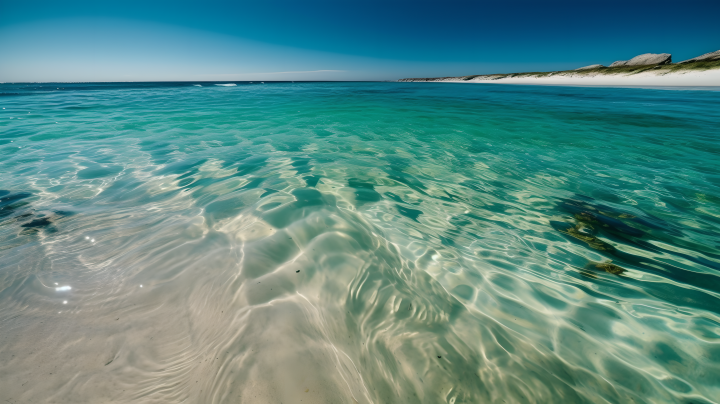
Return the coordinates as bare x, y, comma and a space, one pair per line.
648, 63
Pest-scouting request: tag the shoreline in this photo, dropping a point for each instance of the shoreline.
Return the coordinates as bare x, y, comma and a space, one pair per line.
693, 78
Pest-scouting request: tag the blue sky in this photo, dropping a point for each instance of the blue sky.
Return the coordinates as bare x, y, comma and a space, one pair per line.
107, 40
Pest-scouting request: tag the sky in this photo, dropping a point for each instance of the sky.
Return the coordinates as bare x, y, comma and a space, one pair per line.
220, 40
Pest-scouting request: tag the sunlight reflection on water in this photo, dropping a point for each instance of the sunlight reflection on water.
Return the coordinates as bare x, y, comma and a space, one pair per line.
359, 242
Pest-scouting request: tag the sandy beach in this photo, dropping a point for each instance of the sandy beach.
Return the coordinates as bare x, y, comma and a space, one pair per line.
691, 78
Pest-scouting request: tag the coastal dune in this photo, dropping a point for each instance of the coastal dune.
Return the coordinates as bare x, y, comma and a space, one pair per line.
643, 70
704, 78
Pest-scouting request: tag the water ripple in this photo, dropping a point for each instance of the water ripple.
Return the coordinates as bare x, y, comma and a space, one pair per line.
360, 243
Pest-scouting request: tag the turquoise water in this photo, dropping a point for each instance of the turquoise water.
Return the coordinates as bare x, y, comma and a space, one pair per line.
358, 243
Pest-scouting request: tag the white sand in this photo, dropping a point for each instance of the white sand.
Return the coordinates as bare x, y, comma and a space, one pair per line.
690, 78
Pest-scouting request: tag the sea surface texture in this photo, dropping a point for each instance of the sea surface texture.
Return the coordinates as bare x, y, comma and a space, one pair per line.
358, 243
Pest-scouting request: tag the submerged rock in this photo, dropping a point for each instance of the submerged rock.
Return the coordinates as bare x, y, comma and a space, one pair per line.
608, 223
604, 217
645, 59
592, 241
584, 234
607, 266
708, 57
590, 67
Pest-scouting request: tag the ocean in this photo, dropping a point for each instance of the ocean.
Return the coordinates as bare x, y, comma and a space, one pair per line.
358, 243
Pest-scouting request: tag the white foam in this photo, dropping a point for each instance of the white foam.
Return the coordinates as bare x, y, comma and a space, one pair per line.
226, 85
197, 85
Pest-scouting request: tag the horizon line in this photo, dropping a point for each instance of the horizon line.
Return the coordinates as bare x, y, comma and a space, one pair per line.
197, 81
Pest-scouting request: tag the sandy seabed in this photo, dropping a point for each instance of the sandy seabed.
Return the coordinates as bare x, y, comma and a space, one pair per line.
363, 243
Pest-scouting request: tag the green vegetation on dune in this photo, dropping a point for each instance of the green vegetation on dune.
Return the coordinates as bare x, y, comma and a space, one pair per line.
660, 69
702, 65
626, 70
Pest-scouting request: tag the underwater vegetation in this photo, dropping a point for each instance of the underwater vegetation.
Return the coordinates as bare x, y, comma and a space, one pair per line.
11, 202
581, 231
610, 267
606, 266
15, 208
592, 219
586, 210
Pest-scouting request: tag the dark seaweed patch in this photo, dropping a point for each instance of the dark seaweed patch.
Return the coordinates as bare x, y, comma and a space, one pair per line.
40, 222
11, 202
578, 232
64, 213
585, 209
608, 223
10, 198
606, 266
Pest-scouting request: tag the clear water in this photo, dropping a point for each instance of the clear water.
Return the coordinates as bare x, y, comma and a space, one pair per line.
358, 243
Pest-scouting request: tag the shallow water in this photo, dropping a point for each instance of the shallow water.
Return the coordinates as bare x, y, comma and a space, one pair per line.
358, 243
